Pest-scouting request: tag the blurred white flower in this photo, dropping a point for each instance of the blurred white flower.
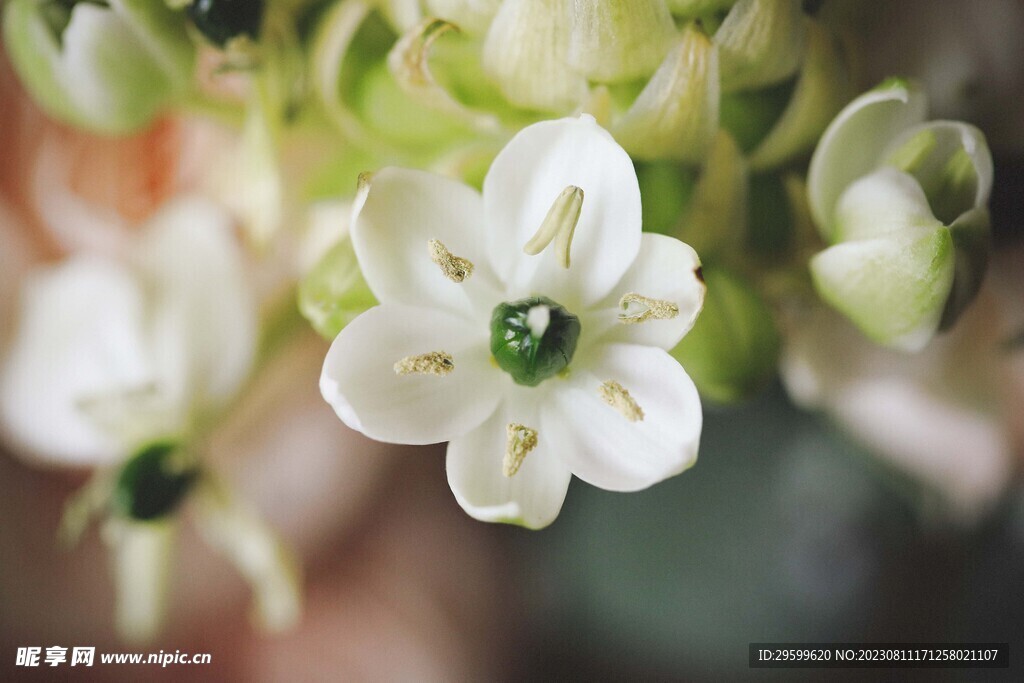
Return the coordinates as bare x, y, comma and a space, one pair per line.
109, 354
939, 416
528, 366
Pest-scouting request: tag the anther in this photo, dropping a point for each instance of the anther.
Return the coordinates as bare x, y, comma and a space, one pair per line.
558, 225
615, 395
520, 441
455, 268
649, 309
438, 363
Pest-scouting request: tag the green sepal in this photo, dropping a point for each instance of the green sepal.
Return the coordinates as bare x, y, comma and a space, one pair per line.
335, 292
732, 350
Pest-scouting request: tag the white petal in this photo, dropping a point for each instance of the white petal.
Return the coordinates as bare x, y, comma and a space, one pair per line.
853, 144
141, 559
893, 287
602, 447
666, 269
204, 325
526, 177
403, 210
532, 497
80, 337
257, 553
949, 138
360, 382
883, 202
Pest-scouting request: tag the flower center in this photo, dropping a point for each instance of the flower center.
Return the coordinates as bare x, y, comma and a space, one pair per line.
222, 20
152, 484
533, 339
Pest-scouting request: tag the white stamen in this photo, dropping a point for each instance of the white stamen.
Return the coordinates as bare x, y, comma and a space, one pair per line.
437, 363
455, 268
520, 441
615, 395
656, 309
537, 319
558, 225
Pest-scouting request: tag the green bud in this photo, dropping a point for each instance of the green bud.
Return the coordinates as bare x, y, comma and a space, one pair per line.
821, 90
619, 40
760, 42
222, 20
334, 292
526, 53
732, 350
109, 67
676, 114
151, 484
533, 339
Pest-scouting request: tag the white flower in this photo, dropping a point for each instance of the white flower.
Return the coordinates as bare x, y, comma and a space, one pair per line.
441, 259
122, 362
111, 353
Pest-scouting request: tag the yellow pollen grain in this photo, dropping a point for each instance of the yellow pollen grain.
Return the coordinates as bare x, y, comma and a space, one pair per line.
437, 363
520, 441
615, 395
455, 268
652, 309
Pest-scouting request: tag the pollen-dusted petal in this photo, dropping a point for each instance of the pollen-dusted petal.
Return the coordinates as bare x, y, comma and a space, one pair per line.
531, 498
638, 308
455, 268
618, 397
437, 363
402, 212
524, 180
666, 275
622, 455
360, 382
520, 440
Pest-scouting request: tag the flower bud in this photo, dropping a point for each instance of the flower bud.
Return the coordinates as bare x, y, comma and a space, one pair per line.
676, 114
471, 16
526, 52
334, 292
109, 67
820, 92
903, 203
731, 351
760, 42
619, 40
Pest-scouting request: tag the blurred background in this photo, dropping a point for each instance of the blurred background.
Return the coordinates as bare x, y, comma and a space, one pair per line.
793, 526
